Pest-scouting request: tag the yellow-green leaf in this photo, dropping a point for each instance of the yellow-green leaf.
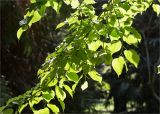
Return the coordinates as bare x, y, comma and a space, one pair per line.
68, 2
42, 111
89, 1
60, 25
20, 31
118, 64
60, 93
115, 46
130, 40
74, 4
156, 8
62, 104
54, 108
114, 35
95, 76
36, 17
21, 107
132, 57
72, 76
68, 89
48, 96
94, 45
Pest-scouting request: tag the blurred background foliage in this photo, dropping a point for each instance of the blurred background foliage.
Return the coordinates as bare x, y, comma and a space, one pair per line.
135, 91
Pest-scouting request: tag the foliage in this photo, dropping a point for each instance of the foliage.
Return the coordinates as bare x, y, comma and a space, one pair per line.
93, 39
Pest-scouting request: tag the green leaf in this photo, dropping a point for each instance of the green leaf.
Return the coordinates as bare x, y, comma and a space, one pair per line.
74, 4
89, 2
134, 32
108, 59
48, 96
60, 93
106, 86
54, 108
114, 35
62, 104
130, 40
156, 8
36, 17
68, 2
56, 6
52, 83
42, 111
118, 64
72, 19
34, 101
8, 111
132, 57
72, 76
115, 46
94, 45
74, 86
68, 89
33, 1
2, 108
60, 25
20, 31
21, 107
95, 76
84, 85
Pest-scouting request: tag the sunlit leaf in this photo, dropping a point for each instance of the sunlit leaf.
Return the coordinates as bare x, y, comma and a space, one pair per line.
67, 2
131, 40
56, 6
60, 25
89, 1
72, 20
68, 89
20, 31
36, 17
60, 93
94, 45
132, 57
106, 85
115, 46
34, 101
49, 96
95, 76
114, 35
72, 76
156, 8
118, 64
54, 108
42, 111
21, 107
52, 82
62, 104
75, 4
33, 1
